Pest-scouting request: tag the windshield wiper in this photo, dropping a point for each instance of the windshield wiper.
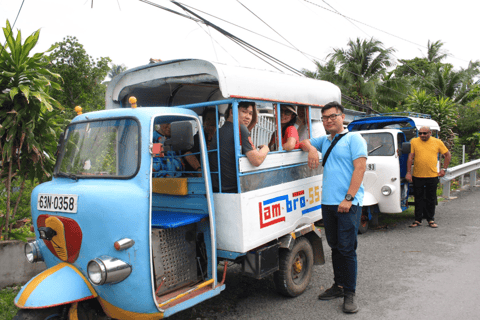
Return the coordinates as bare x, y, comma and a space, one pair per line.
66, 175
375, 148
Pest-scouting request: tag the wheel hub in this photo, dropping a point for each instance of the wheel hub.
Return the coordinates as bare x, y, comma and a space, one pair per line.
298, 265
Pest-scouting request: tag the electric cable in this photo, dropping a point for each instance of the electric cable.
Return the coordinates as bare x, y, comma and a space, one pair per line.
274, 30
11, 30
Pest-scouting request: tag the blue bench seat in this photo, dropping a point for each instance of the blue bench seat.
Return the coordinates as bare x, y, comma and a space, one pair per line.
168, 219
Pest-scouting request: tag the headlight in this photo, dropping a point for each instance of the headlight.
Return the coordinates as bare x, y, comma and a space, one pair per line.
386, 190
107, 270
32, 252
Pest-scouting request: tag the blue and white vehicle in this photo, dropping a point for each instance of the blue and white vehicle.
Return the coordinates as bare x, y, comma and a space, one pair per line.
387, 136
127, 236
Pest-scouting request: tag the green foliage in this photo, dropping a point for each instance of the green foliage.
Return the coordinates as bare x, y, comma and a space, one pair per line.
417, 67
29, 117
442, 110
23, 212
116, 69
357, 70
7, 308
82, 76
457, 153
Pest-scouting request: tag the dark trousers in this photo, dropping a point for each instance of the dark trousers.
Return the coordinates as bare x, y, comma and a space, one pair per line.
425, 192
341, 230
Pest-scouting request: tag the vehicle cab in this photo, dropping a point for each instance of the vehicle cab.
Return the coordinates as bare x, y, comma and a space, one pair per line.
387, 137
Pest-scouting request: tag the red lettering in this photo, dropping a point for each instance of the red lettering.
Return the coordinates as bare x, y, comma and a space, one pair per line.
267, 214
276, 211
298, 193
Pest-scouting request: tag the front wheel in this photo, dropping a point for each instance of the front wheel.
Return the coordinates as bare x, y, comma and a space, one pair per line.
363, 227
54, 313
295, 269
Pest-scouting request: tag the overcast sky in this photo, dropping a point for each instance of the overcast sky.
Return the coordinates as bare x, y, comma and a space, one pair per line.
131, 32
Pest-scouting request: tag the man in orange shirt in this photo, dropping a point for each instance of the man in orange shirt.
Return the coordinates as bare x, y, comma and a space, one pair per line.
425, 150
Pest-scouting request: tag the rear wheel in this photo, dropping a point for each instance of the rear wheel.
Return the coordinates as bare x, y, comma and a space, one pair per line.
295, 269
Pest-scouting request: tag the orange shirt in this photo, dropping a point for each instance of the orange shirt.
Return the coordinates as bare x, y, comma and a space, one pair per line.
426, 153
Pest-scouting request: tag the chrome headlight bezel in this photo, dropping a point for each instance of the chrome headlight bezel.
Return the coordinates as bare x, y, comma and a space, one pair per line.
32, 252
386, 190
107, 269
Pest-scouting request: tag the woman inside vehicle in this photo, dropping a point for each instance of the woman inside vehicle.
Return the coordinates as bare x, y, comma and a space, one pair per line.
290, 139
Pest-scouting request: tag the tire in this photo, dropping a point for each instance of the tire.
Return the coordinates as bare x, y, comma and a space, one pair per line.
54, 313
88, 310
295, 269
363, 227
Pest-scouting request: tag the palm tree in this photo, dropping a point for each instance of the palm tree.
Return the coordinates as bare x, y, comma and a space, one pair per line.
362, 65
116, 69
434, 53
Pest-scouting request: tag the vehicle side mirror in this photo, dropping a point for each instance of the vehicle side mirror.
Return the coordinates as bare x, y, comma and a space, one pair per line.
181, 136
406, 148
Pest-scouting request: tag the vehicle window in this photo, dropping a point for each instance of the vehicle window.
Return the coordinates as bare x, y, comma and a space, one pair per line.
107, 148
379, 144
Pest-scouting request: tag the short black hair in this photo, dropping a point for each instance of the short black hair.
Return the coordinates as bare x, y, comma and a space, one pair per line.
207, 111
333, 104
242, 104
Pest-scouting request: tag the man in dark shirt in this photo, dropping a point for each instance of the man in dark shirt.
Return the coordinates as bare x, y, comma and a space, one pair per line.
246, 112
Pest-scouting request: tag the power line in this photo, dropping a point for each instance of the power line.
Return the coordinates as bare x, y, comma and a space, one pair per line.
13, 26
238, 40
273, 29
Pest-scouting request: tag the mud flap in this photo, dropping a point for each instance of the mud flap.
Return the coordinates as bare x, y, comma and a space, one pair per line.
58, 285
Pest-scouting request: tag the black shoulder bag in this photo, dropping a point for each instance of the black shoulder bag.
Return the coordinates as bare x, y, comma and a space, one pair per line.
334, 142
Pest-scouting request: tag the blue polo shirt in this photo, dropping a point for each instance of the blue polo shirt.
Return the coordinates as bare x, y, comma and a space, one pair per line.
338, 170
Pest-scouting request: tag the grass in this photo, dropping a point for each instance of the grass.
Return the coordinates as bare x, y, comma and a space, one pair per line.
390, 220
7, 308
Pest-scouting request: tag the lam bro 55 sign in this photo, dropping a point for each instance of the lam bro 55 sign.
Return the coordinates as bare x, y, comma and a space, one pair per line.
57, 202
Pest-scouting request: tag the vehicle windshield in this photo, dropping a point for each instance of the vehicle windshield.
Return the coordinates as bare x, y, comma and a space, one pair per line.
105, 148
379, 144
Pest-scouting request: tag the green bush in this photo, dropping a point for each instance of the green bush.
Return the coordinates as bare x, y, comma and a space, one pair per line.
7, 309
23, 212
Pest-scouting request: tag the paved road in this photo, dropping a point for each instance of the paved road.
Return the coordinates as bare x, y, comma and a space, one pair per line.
404, 273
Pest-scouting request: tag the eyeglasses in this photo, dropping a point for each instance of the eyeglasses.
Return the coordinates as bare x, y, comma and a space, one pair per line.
331, 117
423, 133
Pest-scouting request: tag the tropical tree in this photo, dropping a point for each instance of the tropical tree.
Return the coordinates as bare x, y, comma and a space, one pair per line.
362, 64
443, 111
82, 76
357, 70
434, 51
391, 93
29, 119
116, 69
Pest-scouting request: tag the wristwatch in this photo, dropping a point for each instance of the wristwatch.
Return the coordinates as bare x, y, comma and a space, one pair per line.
349, 197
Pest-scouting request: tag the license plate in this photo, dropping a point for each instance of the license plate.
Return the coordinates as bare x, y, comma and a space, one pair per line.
370, 166
57, 202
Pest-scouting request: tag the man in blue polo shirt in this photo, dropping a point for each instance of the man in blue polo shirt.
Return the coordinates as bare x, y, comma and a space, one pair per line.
342, 198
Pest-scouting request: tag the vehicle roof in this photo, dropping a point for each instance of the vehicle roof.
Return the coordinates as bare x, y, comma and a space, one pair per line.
379, 122
143, 114
180, 82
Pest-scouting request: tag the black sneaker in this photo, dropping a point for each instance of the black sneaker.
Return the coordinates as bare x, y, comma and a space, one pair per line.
332, 293
349, 303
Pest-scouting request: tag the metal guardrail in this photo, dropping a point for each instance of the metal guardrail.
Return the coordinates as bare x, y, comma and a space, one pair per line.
457, 171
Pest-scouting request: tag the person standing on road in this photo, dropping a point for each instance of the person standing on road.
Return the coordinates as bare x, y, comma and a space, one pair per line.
342, 198
425, 150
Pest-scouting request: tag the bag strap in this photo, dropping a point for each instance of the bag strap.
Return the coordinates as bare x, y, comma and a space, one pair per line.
334, 142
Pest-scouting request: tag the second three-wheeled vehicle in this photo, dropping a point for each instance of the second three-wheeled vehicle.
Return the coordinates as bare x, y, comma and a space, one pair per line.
388, 136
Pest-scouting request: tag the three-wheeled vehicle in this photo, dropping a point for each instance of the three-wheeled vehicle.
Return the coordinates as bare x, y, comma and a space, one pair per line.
387, 136
127, 233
